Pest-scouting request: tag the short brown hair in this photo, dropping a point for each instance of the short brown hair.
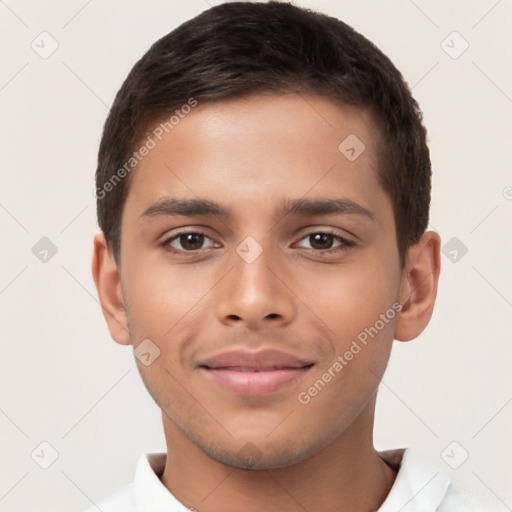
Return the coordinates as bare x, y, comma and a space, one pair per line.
241, 48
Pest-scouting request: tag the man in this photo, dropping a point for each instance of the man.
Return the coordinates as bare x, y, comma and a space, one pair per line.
263, 190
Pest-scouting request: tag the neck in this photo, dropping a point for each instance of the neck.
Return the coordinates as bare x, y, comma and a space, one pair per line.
346, 475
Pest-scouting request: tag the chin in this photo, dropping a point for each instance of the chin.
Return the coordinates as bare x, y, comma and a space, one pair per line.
251, 457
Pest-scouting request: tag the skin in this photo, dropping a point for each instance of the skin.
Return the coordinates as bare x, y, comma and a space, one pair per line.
230, 452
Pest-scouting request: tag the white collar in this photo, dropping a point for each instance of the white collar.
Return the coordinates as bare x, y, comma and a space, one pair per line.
419, 485
150, 492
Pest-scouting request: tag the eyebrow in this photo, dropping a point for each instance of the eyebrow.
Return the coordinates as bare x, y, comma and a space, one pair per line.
169, 206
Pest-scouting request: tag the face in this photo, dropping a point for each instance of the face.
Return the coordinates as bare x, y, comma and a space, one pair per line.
259, 256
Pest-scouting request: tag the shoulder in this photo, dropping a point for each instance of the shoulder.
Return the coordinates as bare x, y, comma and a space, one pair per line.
456, 500
461, 496
122, 500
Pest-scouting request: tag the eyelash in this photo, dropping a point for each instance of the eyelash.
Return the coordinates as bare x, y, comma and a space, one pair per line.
345, 244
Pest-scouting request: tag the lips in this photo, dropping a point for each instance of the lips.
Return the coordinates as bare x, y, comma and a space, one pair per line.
254, 373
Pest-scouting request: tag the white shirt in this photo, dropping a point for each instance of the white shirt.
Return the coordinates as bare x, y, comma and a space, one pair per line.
419, 487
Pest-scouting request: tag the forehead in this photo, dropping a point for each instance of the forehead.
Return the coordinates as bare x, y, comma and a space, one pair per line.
250, 151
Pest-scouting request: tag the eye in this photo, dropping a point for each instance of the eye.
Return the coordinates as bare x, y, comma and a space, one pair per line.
324, 241
188, 242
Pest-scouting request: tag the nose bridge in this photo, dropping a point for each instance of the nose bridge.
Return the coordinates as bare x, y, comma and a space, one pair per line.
252, 290
251, 266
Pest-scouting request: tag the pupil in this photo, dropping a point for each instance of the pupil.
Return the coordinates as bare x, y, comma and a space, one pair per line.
192, 241
321, 239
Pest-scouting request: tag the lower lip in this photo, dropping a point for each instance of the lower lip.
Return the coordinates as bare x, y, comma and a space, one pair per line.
256, 383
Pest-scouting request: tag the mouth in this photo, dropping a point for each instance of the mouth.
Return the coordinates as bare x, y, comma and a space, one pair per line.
254, 374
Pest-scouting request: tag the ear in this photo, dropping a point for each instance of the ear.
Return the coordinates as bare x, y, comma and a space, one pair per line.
418, 289
108, 284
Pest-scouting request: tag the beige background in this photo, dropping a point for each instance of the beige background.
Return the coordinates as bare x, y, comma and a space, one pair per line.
65, 382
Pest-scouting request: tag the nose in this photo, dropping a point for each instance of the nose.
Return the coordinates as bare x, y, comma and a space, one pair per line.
256, 294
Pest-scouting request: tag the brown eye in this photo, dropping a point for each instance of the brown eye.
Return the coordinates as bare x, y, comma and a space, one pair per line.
191, 241
188, 242
325, 242
321, 240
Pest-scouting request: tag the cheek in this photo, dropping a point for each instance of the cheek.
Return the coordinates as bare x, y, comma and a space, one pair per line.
162, 297
356, 302
351, 298
342, 386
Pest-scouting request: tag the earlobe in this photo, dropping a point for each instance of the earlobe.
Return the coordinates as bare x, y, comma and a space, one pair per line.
418, 289
108, 284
